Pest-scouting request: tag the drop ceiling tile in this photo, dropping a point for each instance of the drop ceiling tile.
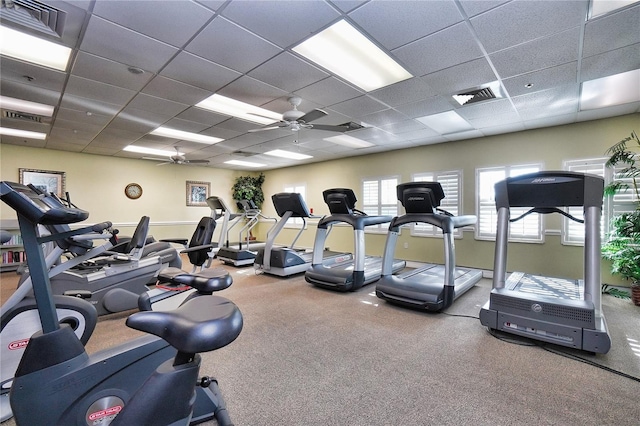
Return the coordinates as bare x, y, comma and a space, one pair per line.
92, 89
237, 125
328, 92
30, 74
29, 92
556, 120
444, 49
288, 72
212, 4
359, 107
486, 109
475, 7
380, 118
424, 133
518, 22
347, 5
138, 120
542, 79
31, 143
547, 103
432, 105
391, 25
110, 72
252, 91
483, 121
73, 115
199, 72
101, 150
281, 22
220, 132
163, 87
62, 146
612, 31
502, 128
106, 39
459, 77
407, 91
401, 127
93, 106
610, 63
173, 22
156, 105
542, 53
187, 126
229, 40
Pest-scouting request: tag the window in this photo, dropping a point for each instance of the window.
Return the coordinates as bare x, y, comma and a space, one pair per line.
451, 182
573, 232
379, 199
300, 189
528, 229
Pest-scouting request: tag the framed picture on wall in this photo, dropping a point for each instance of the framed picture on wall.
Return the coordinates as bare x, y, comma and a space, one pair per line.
45, 180
197, 193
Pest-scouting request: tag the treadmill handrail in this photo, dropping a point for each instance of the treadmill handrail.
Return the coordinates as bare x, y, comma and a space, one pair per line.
357, 222
446, 223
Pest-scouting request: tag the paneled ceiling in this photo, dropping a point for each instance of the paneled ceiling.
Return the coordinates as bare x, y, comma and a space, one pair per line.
538, 52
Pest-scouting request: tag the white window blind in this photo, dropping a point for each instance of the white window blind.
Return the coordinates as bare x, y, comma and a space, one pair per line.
300, 189
572, 231
622, 202
379, 198
451, 182
528, 229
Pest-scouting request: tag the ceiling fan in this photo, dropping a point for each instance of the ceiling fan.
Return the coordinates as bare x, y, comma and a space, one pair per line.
177, 158
296, 120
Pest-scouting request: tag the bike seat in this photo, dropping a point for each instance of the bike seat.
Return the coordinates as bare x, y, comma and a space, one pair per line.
201, 324
206, 281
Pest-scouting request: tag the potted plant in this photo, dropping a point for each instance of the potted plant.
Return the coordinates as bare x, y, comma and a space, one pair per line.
249, 188
622, 247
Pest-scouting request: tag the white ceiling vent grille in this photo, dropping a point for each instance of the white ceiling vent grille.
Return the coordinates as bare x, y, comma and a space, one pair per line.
474, 96
23, 116
481, 93
35, 15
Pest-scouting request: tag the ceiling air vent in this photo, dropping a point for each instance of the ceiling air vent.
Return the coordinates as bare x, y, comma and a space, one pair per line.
22, 116
473, 96
34, 15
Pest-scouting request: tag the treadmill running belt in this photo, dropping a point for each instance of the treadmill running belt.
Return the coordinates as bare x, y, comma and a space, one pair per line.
551, 287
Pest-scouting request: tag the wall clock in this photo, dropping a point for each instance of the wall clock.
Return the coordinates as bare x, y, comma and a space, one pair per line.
133, 191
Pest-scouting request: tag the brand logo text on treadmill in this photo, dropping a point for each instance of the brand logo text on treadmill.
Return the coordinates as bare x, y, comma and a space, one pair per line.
543, 180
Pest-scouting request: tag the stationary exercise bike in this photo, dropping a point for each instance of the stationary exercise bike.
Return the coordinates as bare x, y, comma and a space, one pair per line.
147, 381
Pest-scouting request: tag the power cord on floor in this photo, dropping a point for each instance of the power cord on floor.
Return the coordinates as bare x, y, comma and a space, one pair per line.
460, 315
523, 341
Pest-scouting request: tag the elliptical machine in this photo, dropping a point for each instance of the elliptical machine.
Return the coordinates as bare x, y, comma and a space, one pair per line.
150, 380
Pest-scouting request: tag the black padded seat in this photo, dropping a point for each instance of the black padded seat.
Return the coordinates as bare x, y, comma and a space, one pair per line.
206, 281
201, 324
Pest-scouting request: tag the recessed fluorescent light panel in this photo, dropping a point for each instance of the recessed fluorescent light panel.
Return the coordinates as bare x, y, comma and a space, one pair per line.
288, 154
244, 163
349, 141
600, 7
25, 106
227, 106
150, 151
446, 122
33, 49
22, 133
344, 51
185, 136
616, 89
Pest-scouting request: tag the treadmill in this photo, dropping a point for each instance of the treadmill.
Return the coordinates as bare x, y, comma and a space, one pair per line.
244, 253
352, 274
285, 261
431, 287
562, 311
220, 210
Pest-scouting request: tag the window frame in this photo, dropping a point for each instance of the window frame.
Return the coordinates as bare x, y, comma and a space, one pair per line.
295, 222
380, 207
431, 231
487, 206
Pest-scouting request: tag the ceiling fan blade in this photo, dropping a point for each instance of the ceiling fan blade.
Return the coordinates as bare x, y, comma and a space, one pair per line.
197, 161
312, 115
272, 127
329, 128
165, 163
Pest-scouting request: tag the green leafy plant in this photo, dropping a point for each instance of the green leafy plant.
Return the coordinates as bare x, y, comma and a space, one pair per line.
622, 154
622, 247
249, 188
620, 294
